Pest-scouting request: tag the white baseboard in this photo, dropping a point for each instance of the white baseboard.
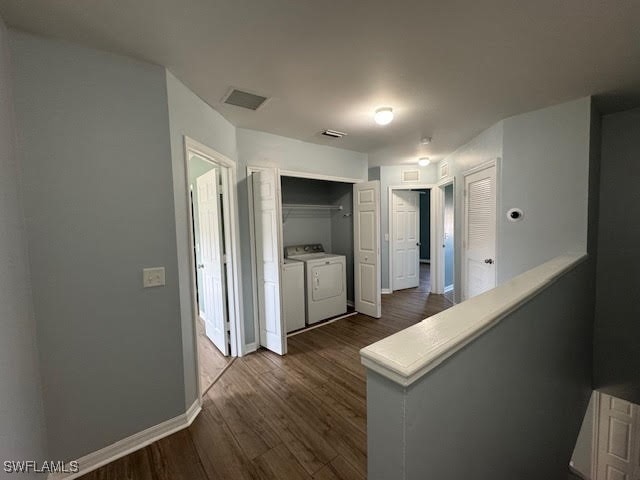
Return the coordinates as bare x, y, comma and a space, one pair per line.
386, 291
121, 448
422, 260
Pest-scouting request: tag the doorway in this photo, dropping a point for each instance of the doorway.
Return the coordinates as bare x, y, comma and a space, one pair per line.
351, 218
411, 238
213, 260
448, 240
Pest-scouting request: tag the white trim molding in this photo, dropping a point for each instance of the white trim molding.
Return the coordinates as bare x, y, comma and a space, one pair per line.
386, 291
137, 441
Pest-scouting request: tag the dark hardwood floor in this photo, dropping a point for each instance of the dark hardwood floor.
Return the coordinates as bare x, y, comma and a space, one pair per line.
301, 416
210, 360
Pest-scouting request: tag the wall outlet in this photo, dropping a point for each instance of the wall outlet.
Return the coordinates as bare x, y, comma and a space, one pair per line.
153, 277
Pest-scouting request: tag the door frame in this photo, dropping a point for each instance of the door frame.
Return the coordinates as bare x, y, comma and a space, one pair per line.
432, 212
437, 271
230, 221
494, 162
251, 347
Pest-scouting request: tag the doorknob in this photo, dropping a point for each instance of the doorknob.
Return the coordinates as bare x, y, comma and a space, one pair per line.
200, 266
488, 260
418, 244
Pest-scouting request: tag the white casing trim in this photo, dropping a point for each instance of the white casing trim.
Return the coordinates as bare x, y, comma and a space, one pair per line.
386, 291
121, 448
406, 356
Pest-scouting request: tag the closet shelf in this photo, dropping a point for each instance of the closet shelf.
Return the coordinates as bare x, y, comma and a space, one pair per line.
305, 206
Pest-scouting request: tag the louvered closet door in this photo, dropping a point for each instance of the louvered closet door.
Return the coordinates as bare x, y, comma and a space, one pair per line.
479, 245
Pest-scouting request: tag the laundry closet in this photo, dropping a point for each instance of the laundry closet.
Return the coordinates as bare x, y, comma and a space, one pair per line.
316, 251
317, 236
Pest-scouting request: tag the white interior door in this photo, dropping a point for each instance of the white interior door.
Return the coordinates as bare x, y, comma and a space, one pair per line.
405, 248
366, 238
211, 261
618, 440
479, 242
266, 211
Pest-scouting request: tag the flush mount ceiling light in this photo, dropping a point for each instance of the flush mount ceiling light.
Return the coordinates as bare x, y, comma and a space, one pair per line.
424, 161
425, 140
383, 116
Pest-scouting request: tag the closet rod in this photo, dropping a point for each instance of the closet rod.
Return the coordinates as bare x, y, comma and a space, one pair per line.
305, 206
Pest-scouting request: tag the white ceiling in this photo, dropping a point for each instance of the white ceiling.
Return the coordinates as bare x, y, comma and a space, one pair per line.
449, 69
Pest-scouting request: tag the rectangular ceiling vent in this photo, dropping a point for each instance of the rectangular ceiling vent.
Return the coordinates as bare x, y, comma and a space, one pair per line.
243, 99
333, 134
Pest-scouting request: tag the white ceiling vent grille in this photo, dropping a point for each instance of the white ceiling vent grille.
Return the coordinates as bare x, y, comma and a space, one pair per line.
411, 176
243, 99
333, 134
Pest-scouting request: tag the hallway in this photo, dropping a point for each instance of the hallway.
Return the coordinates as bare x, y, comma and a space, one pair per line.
300, 416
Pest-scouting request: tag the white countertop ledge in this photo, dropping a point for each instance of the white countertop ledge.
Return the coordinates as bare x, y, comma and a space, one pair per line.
406, 356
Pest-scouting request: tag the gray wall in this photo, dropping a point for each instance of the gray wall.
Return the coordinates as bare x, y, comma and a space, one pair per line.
544, 170
306, 226
268, 150
508, 406
617, 329
342, 229
22, 429
190, 116
97, 185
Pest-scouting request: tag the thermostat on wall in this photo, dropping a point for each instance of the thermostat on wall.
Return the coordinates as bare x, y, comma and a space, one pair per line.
515, 215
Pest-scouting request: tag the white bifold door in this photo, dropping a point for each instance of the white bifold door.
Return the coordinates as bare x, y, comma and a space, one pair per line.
618, 440
366, 238
268, 253
267, 220
479, 243
406, 239
211, 261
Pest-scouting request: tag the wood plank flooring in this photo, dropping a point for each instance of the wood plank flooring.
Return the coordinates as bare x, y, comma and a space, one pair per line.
301, 416
210, 360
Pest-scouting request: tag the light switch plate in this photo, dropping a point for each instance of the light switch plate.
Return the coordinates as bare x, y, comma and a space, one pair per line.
153, 277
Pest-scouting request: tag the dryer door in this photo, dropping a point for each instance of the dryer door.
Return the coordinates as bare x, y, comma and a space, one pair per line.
327, 279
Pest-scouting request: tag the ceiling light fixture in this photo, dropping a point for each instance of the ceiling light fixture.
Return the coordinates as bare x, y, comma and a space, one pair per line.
424, 161
383, 116
425, 141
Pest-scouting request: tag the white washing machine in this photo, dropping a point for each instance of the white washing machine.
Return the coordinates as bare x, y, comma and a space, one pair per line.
325, 281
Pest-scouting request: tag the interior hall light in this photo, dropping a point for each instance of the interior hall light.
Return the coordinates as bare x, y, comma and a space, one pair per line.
383, 116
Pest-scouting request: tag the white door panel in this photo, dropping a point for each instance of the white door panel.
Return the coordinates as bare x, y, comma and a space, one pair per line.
366, 226
618, 440
479, 232
266, 207
211, 261
405, 214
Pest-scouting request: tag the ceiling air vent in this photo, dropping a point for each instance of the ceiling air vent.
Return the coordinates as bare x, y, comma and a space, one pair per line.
243, 99
333, 134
